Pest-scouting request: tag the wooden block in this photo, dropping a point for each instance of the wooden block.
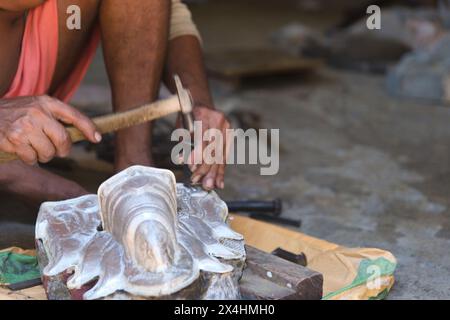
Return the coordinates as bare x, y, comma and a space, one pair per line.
269, 277
255, 287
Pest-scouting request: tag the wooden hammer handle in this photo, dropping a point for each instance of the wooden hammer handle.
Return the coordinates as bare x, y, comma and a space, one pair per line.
117, 121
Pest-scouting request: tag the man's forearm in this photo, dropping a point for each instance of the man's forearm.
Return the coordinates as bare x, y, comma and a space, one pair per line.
185, 58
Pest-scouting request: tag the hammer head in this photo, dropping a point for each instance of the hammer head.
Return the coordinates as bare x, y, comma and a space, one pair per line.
186, 105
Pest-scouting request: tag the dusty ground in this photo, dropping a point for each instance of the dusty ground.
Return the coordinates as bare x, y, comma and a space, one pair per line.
358, 167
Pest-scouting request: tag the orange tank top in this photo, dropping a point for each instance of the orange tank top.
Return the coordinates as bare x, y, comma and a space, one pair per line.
39, 56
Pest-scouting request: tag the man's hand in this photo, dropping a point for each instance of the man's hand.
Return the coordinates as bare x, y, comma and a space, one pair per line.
211, 176
185, 58
30, 128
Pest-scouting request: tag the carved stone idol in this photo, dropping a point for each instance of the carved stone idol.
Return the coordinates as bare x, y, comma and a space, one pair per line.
142, 237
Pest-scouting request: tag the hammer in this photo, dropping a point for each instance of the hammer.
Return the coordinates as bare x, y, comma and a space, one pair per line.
181, 102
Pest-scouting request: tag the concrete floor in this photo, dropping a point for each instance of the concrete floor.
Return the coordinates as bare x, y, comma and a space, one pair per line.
358, 167
361, 170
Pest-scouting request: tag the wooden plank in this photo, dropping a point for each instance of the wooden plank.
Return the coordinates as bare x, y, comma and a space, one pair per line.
254, 287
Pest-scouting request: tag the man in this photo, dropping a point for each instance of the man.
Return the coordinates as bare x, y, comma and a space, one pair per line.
42, 62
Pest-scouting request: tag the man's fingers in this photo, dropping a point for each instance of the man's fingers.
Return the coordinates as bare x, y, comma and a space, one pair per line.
202, 168
27, 154
17, 139
201, 171
211, 175
6, 145
43, 147
220, 177
59, 136
228, 139
209, 181
69, 115
190, 162
196, 156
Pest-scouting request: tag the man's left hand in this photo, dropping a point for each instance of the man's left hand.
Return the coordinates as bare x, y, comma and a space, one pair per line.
211, 176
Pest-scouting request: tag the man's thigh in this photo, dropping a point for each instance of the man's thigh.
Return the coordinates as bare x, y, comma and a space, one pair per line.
72, 42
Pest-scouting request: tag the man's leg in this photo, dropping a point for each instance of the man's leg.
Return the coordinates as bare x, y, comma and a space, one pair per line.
72, 42
134, 37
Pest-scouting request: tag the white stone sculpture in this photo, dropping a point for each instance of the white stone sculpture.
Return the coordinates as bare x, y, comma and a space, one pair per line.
143, 236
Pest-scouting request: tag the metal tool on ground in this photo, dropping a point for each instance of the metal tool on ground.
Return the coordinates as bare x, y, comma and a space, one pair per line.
269, 211
181, 102
274, 207
278, 220
24, 284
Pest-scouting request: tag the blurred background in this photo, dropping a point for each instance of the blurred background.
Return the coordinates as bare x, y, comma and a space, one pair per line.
363, 117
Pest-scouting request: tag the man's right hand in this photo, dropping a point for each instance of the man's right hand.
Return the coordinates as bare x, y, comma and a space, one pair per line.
30, 127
